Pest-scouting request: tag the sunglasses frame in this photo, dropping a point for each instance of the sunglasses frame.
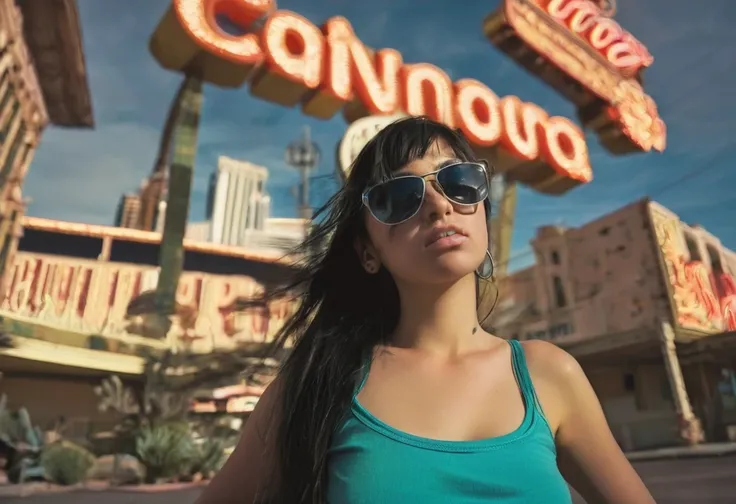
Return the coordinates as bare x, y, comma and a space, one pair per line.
482, 163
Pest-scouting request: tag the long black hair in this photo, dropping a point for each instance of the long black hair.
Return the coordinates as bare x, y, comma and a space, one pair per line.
343, 313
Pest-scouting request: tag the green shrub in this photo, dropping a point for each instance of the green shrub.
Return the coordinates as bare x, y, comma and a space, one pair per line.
209, 456
65, 463
166, 451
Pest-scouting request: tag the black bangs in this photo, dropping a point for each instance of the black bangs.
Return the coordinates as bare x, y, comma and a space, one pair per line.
400, 143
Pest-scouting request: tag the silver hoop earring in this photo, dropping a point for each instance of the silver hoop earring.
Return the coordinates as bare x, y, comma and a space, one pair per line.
485, 270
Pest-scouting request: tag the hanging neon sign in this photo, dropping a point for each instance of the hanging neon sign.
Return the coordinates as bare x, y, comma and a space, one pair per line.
590, 60
290, 61
702, 301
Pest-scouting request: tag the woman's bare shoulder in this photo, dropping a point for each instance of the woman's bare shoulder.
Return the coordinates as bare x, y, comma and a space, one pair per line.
552, 362
557, 379
252, 467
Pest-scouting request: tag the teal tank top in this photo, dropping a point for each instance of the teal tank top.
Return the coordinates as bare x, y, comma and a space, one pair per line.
370, 462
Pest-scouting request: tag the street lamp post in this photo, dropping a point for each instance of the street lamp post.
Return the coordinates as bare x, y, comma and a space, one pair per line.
303, 154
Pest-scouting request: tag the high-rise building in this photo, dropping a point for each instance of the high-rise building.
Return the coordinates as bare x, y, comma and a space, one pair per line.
210, 204
145, 209
128, 211
153, 192
238, 203
238, 208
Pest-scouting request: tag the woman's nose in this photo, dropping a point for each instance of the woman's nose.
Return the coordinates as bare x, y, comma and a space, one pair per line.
436, 203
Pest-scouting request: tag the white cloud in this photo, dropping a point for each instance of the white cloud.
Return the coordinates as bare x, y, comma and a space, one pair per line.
79, 176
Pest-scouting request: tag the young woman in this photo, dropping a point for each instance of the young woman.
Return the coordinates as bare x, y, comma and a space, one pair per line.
393, 393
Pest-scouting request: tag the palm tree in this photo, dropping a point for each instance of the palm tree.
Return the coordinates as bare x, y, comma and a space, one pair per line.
178, 148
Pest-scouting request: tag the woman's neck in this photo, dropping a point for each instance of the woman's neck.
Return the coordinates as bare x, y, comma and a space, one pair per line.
439, 319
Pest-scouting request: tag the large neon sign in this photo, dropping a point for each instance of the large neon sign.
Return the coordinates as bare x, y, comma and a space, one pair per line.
702, 301
92, 297
619, 47
589, 59
327, 69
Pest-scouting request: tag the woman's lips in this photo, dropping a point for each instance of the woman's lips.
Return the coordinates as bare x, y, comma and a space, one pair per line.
447, 242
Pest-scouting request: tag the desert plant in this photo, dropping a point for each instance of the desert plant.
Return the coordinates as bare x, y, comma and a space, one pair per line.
165, 450
156, 404
6, 340
20, 444
66, 463
208, 457
115, 396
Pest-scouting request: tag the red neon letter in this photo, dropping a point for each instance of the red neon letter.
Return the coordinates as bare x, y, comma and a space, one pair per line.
198, 19
605, 33
520, 124
294, 50
477, 112
565, 150
189, 35
351, 67
427, 91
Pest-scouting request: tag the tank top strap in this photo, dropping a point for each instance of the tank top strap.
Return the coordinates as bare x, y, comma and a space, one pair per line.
363, 375
521, 370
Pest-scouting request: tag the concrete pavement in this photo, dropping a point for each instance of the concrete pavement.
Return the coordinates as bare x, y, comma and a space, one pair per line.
697, 451
108, 497
710, 480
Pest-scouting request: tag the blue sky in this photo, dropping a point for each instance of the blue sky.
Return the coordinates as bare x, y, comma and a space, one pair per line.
79, 175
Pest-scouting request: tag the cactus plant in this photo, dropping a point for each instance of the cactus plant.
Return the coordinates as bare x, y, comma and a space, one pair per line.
6, 340
166, 451
20, 443
65, 463
208, 457
115, 396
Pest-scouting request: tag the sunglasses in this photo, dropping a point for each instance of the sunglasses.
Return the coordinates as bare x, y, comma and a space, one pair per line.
399, 199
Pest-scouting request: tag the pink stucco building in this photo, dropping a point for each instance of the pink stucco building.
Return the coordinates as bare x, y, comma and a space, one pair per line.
647, 304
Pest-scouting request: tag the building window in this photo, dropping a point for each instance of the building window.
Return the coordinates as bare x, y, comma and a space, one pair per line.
555, 257
6, 241
536, 335
629, 382
9, 123
560, 299
8, 94
559, 330
7, 168
726, 389
692, 247
715, 260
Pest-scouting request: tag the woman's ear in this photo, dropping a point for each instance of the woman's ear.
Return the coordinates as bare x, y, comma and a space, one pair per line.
367, 255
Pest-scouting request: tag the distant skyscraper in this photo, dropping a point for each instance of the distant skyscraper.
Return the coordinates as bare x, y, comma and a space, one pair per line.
153, 191
128, 211
210, 204
160, 216
148, 206
239, 203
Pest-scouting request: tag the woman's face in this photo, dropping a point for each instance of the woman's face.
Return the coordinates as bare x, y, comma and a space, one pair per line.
411, 250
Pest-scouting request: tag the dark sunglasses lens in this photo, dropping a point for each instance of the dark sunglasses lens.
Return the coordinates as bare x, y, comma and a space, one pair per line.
464, 183
396, 200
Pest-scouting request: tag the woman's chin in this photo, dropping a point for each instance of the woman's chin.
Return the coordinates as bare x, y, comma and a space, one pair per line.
447, 272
